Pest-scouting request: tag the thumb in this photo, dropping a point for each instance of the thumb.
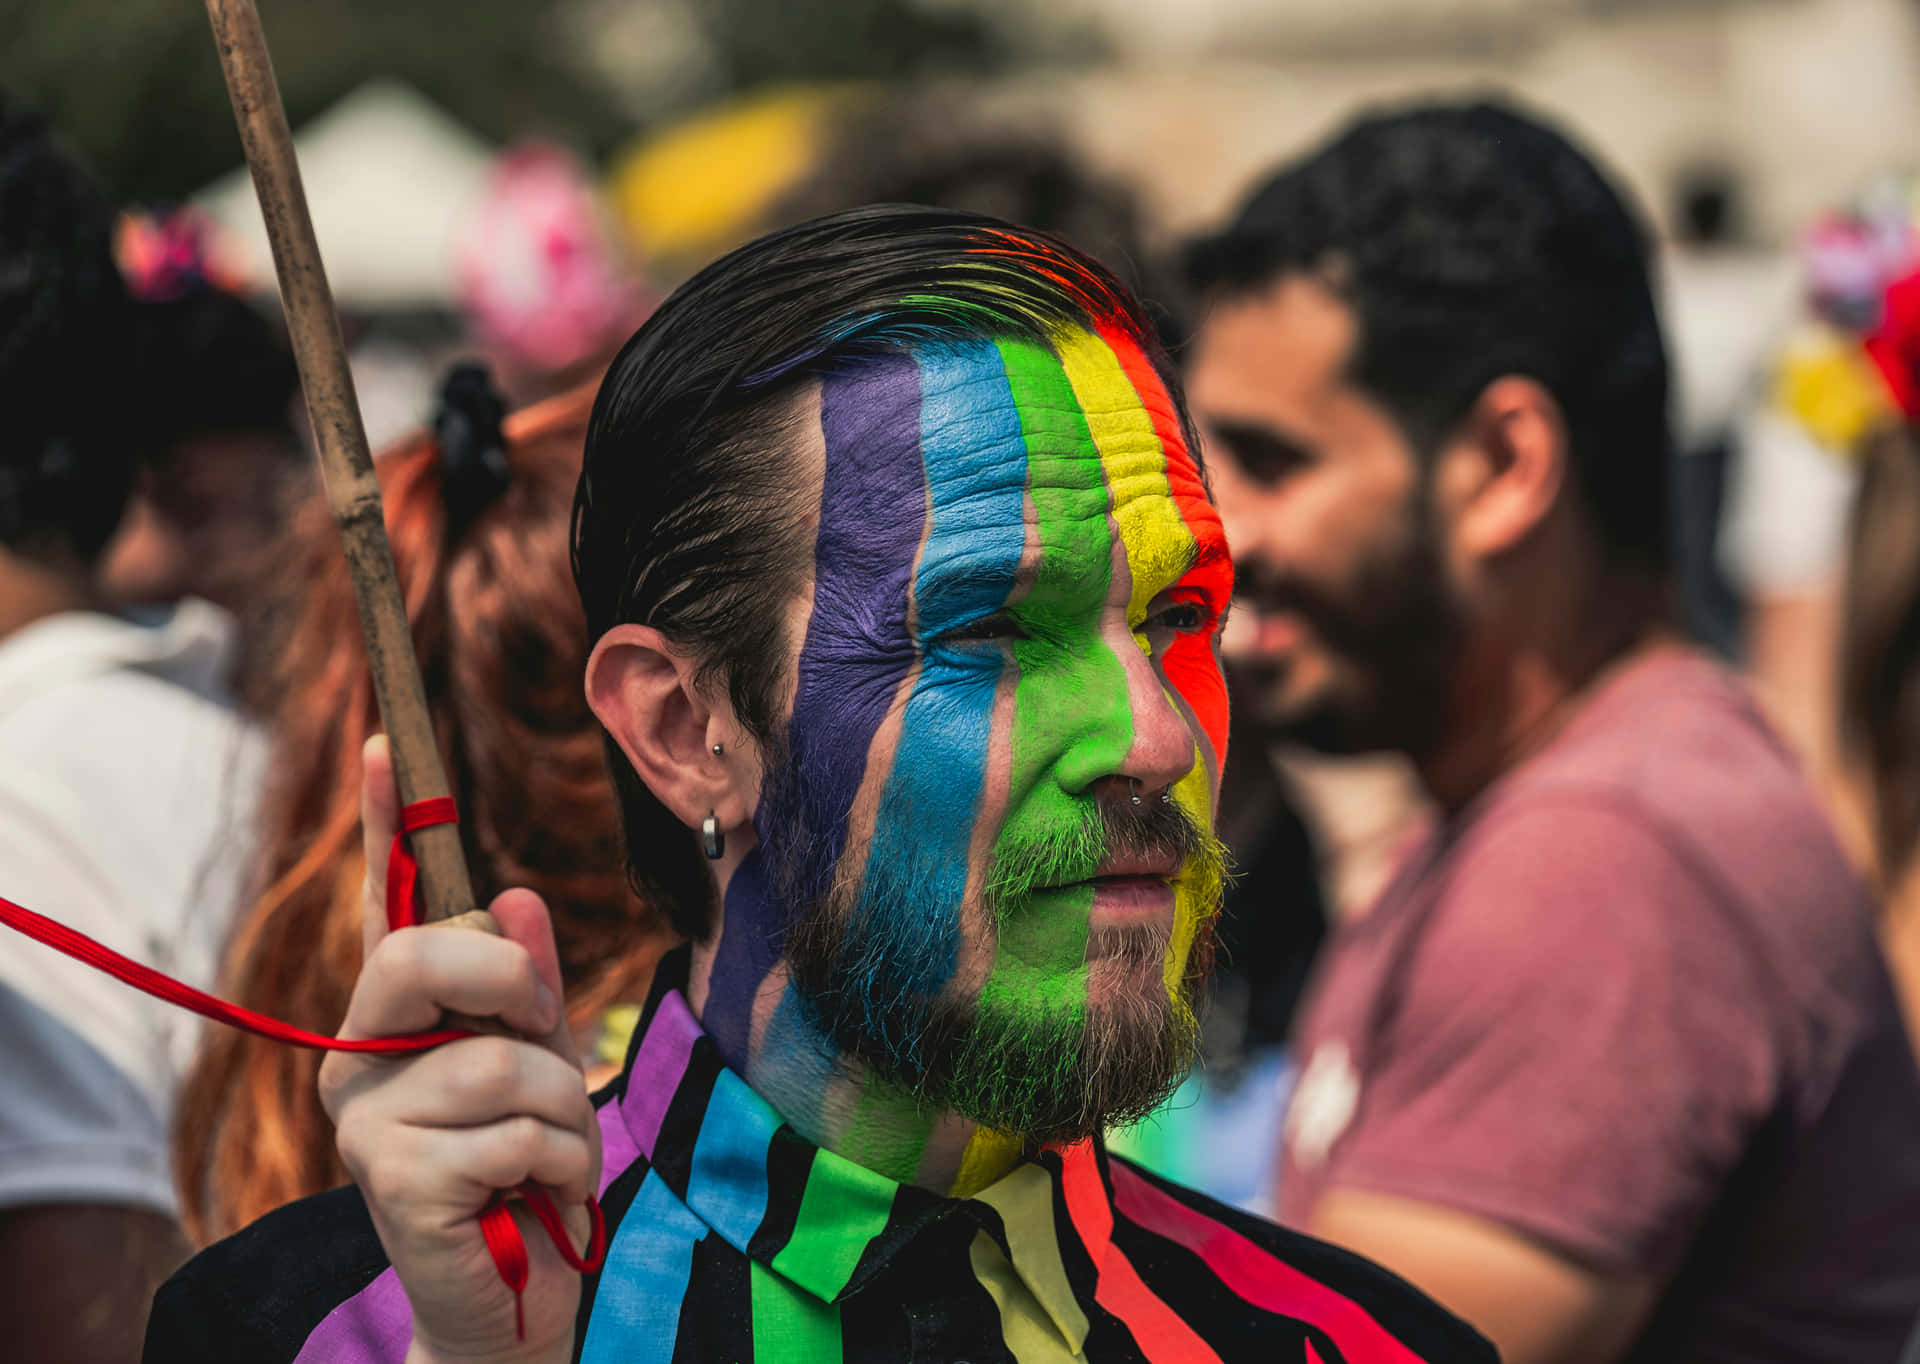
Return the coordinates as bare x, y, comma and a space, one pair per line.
523, 918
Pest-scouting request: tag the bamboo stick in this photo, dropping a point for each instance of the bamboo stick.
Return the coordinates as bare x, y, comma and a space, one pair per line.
345, 463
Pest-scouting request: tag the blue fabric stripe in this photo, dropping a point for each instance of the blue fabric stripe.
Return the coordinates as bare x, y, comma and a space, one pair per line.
728, 1186
636, 1313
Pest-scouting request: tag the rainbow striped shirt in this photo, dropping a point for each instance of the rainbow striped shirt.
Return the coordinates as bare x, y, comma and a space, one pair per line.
733, 1239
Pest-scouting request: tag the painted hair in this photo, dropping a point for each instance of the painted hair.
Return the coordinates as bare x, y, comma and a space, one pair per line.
501, 644
1473, 241
685, 518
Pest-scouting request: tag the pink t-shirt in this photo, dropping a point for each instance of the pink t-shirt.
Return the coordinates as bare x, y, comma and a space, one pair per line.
1629, 1004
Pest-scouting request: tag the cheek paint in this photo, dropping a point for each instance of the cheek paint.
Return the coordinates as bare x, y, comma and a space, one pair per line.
1071, 718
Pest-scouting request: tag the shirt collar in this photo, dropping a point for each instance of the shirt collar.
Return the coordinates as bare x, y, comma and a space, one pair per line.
819, 1220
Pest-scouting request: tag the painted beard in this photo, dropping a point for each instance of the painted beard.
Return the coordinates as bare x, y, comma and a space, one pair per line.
1106, 1046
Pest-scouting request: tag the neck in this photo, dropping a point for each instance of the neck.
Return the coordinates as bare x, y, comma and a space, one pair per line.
742, 993
31, 589
1514, 694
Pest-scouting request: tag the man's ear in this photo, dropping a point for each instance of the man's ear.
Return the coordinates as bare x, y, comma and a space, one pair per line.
643, 690
1503, 475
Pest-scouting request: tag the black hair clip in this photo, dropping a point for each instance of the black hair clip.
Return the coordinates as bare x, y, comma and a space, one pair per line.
473, 452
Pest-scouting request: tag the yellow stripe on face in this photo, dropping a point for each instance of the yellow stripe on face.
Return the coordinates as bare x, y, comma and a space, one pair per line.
988, 1156
1157, 541
1195, 894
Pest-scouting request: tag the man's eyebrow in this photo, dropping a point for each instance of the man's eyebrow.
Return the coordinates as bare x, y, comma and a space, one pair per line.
1208, 553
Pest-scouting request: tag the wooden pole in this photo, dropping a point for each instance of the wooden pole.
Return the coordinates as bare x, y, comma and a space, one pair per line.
345, 463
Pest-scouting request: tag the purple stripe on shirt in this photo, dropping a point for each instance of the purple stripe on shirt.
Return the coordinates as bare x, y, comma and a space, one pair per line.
657, 1069
374, 1326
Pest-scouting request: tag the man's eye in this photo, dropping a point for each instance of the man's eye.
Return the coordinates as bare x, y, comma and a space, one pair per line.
988, 630
1182, 618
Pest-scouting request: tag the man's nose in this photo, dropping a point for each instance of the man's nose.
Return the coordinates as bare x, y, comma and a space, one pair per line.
1162, 751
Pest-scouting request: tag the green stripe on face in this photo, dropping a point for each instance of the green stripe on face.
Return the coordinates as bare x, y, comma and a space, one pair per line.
1071, 713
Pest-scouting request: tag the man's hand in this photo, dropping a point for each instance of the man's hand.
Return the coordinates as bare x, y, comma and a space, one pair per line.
1536, 1306
431, 1137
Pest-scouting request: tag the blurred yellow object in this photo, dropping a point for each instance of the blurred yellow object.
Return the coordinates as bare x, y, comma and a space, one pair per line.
701, 187
1826, 383
616, 1034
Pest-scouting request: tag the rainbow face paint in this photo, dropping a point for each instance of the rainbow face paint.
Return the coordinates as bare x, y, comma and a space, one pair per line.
1018, 577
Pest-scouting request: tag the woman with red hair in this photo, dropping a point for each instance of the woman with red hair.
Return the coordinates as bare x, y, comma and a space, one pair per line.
477, 510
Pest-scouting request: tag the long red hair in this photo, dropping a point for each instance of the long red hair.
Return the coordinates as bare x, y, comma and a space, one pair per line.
502, 645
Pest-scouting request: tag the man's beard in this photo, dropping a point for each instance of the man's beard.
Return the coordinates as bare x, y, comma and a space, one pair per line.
1051, 1069
1393, 636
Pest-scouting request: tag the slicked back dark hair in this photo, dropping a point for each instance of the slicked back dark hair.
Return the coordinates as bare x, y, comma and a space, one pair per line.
66, 461
1473, 241
687, 519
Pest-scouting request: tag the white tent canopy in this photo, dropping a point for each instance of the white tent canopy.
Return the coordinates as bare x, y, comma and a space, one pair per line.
390, 180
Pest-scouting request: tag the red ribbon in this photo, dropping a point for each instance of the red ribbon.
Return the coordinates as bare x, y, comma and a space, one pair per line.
497, 1226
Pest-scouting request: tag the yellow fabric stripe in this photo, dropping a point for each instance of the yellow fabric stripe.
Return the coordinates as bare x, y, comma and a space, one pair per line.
1029, 1334
1024, 1200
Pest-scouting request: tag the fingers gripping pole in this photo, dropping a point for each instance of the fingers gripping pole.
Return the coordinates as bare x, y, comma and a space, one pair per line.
346, 466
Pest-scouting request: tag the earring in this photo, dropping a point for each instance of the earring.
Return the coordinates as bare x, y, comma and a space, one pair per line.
718, 749
1136, 789
712, 841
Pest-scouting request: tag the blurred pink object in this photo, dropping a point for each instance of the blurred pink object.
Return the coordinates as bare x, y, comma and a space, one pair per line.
540, 275
169, 253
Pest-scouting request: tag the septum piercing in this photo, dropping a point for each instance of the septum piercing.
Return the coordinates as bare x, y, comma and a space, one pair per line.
1136, 790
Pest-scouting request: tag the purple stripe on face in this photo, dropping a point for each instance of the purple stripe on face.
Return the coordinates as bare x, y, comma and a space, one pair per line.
374, 1326
857, 653
873, 514
657, 1068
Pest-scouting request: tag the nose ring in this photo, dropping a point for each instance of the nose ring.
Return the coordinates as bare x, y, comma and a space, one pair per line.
1166, 795
1135, 788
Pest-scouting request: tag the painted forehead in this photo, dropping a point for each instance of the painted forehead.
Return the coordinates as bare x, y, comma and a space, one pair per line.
1085, 424
939, 458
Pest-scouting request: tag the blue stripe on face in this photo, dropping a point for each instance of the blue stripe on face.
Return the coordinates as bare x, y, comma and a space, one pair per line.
976, 462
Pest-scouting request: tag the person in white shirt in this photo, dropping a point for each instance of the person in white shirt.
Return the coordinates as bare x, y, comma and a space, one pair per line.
125, 776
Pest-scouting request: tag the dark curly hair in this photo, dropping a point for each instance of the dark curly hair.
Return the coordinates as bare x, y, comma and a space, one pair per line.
66, 465
1471, 242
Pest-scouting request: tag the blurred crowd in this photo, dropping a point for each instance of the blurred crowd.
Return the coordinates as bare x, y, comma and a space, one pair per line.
1572, 965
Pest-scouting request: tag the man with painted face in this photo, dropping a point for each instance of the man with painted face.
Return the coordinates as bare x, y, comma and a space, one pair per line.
904, 585
1612, 1067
